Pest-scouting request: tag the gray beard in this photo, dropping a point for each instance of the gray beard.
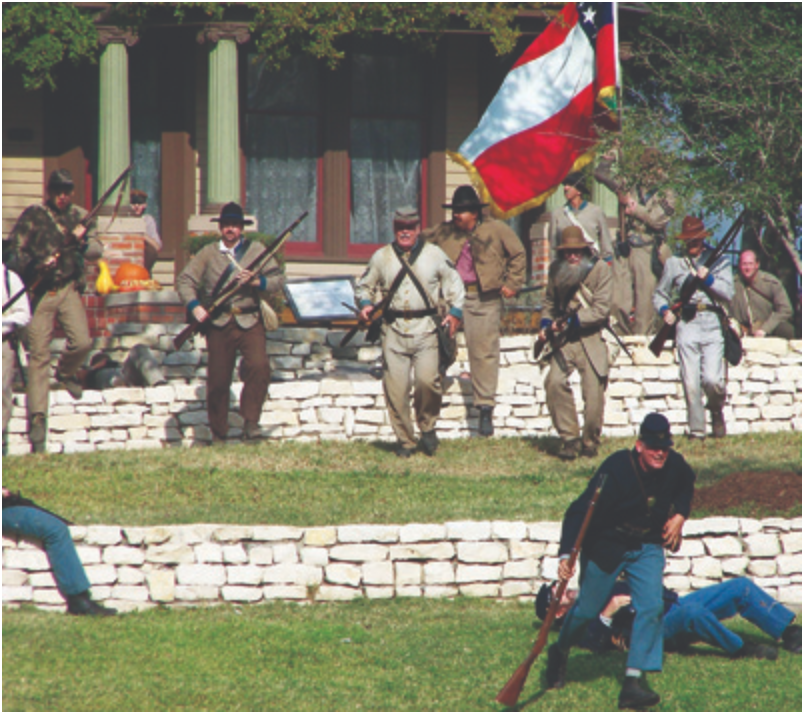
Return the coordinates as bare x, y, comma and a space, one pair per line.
566, 277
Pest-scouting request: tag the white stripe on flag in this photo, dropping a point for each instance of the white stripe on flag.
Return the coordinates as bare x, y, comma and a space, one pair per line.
534, 92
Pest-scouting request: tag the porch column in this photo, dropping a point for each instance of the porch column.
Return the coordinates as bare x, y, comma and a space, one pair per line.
223, 154
114, 150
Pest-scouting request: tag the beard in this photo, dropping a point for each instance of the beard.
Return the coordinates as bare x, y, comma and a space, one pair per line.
566, 277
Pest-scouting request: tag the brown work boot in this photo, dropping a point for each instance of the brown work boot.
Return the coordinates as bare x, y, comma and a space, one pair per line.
71, 384
719, 427
569, 450
251, 431
38, 433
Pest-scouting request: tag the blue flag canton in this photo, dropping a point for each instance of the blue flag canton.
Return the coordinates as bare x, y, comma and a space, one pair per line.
593, 16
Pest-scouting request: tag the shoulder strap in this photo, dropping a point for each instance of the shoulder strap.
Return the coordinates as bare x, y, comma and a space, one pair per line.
569, 214
241, 250
406, 269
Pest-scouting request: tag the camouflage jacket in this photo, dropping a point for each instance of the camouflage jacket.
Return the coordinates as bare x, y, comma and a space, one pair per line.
41, 231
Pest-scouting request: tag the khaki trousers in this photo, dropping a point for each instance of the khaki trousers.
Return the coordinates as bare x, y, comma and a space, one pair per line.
222, 344
482, 314
622, 295
644, 283
403, 353
560, 398
65, 307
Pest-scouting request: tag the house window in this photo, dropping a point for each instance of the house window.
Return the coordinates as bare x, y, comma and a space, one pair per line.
386, 145
282, 147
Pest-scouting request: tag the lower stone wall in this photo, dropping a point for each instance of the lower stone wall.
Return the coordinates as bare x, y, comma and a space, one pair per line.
321, 391
138, 568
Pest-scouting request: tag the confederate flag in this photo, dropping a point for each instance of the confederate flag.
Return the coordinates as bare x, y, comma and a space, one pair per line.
541, 124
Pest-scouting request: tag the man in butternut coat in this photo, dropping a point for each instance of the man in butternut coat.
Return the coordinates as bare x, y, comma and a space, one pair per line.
491, 261
578, 279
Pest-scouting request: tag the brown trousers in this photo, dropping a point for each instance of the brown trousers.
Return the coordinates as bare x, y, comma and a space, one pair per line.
65, 307
482, 314
222, 344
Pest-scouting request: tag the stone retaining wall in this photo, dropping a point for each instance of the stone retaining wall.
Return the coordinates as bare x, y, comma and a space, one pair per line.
137, 568
323, 392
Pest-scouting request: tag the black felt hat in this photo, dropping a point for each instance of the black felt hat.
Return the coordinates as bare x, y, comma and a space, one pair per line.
233, 212
465, 199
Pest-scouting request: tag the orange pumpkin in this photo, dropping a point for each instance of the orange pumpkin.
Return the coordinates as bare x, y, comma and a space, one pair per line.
129, 272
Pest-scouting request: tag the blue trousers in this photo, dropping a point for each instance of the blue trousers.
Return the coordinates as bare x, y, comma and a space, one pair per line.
55, 536
644, 569
698, 616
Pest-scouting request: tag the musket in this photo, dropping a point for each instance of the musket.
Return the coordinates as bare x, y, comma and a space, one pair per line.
70, 239
511, 691
691, 285
372, 325
552, 333
217, 304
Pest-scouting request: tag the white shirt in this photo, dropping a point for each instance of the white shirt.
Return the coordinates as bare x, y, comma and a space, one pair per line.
19, 314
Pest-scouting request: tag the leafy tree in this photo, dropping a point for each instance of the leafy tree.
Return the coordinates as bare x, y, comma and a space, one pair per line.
719, 87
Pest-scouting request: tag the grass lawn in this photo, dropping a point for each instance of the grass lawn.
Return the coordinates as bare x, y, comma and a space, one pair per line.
405, 655
335, 483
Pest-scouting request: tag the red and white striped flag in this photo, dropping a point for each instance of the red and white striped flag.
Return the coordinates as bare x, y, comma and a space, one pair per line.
542, 123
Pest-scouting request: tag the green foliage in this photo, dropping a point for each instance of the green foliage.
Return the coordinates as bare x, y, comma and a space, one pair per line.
333, 483
400, 655
718, 86
37, 37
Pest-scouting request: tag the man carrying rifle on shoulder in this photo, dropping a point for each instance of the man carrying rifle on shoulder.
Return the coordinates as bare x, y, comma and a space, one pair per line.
643, 505
699, 340
48, 246
578, 300
237, 326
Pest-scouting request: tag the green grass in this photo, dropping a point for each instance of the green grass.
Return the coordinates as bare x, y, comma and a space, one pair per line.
334, 482
405, 655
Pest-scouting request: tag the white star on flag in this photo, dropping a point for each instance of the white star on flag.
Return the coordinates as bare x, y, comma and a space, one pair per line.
590, 15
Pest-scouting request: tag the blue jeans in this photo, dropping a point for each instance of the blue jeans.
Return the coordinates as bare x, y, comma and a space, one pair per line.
55, 536
698, 616
644, 569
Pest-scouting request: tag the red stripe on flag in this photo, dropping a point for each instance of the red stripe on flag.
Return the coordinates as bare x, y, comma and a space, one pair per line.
558, 142
605, 58
553, 36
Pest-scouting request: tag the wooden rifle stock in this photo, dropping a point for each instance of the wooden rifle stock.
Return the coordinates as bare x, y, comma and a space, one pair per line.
230, 292
511, 691
668, 332
552, 331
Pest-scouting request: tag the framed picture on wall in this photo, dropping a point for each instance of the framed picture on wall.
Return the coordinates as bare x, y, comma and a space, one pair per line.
321, 299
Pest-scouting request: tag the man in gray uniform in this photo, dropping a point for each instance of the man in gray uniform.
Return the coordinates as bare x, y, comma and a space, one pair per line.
761, 304
699, 340
409, 332
648, 209
491, 261
580, 280
580, 212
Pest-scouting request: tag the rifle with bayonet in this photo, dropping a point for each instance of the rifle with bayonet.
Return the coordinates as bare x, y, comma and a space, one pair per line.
690, 286
216, 305
43, 270
511, 691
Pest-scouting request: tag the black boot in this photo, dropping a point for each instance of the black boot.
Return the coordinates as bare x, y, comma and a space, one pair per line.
635, 694
792, 639
485, 421
755, 651
429, 442
82, 604
556, 668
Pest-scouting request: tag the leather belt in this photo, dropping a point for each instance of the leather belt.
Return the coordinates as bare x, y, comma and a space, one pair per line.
471, 287
392, 315
241, 310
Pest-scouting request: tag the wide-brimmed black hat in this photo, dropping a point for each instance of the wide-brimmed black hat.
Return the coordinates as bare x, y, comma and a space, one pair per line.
578, 180
60, 178
655, 431
233, 212
465, 199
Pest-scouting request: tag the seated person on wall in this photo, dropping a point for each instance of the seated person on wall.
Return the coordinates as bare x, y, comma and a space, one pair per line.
153, 241
23, 518
760, 304
696, 617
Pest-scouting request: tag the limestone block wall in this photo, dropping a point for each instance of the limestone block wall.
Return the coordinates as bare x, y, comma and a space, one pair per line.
320, 391
137, 568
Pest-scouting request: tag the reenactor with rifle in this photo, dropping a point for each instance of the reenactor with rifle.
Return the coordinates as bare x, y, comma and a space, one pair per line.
237, 324
703, 277
578, 296
405, 278
48, 247
647, 211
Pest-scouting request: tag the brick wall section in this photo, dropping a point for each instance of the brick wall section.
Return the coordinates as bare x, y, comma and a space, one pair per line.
323, 392
135, 568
